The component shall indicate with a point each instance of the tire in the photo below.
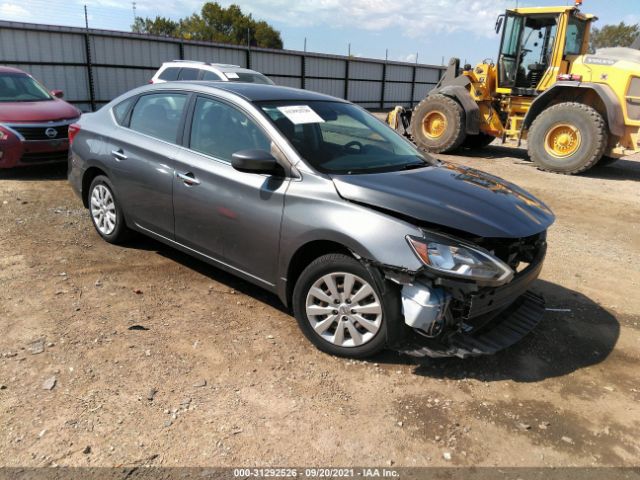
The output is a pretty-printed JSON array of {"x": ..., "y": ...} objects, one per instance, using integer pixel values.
[
  {"x": 444, "y": 118},
  {"x": 477, "y": 141},
  {"x": 323, "y": 328},
  {"x": 584, "y": 142},
  {"x": 105, "y": 211}
]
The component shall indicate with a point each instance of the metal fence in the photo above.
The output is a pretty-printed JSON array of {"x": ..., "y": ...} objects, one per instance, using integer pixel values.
[{"x": 94, "y": 66}]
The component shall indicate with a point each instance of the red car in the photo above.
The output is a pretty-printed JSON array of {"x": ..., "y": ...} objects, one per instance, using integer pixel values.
[{"x": 33, "y": 121}]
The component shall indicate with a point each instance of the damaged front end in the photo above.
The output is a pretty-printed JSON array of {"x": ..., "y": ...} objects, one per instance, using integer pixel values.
[{"x": 471, "y": 298}]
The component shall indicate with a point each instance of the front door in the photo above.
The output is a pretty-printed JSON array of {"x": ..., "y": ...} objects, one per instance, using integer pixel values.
[{"x": 227, "y": 215}]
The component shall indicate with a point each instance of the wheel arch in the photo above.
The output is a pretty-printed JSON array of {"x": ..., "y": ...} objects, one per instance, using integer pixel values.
[
  {"x": 87, "y": 177},
  {"x": 596, "y": 95},
  {"x": 303, "y": 256}
]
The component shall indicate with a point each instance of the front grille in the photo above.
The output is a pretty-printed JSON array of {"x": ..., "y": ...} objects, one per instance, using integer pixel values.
[
  {"x": 37, "y": 157},
  {"x": 513, "y": 252},
  {"x": 40, "y": 132}
]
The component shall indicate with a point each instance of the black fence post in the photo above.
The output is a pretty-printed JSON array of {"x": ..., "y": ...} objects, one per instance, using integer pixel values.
[
  {"x": 303, "y": 71},
  {"x": 346, "y": 79},
  {"x": 181, "y": 50},
  {"x": 92, "y": 92},
  {"x": 413, "y": 85},
  {"x": 248, "y": 59},
  {"x": 384, "y": 84}
]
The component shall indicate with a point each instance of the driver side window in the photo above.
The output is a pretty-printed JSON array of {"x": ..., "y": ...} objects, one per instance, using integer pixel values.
[{"x": 219, "y": 130}]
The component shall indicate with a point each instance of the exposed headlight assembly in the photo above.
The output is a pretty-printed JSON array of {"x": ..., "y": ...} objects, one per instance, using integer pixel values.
[{"x": 455, "y": 258}]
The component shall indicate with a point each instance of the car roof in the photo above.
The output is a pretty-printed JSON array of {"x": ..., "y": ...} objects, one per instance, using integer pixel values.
[
  {"x": 254, "y": 92},
  {"x": 4, "y": 69}
]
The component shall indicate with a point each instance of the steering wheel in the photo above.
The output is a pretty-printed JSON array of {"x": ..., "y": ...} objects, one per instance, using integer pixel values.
[{"x": 349, "y": 146}]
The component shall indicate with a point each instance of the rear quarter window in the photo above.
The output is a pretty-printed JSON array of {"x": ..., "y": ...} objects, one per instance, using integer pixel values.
[
  {"x": 121, "y": 110},
  {"x": 169, "y": 74}
]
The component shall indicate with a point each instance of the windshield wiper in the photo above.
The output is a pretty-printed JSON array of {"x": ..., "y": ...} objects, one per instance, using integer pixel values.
[{"x": 413, "y": 166}]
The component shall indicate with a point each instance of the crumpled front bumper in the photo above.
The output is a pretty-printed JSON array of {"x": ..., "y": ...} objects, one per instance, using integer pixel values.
[
  {"x": 493, "y": 319},
  {"x": 507, "y": 329}
]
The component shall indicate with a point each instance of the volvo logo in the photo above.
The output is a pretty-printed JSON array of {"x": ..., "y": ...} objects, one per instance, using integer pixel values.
[{"x": 51, "y": 132}]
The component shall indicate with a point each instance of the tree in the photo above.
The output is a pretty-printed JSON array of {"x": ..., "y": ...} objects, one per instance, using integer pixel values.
[
  {"x": 160, "y": 26},
  {"x": 216, "y": 24},
  {"x": 621, "y": 35}
]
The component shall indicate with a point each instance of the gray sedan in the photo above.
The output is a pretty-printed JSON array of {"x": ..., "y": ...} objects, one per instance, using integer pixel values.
[{"x": 370, "y": 242}]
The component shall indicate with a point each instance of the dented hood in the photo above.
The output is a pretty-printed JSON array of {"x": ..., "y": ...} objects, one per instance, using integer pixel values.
[{"x": 451, "y": 196}]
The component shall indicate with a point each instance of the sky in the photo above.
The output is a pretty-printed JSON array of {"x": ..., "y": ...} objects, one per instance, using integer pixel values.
[{"x": 432, "y": 30}]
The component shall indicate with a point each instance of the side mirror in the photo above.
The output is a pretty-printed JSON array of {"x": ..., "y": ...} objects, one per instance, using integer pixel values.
[
  {"x": 499, "y": 21},
  {"x": 57, "y": 93},
  {"x": 255, "y": 161}
]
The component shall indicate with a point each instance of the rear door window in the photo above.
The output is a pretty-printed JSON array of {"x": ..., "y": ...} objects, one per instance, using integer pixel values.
[
  {"x": 188, "y": 74},
  {"x": 170, "y": 74},
  {"x": 159, "y": 115}
]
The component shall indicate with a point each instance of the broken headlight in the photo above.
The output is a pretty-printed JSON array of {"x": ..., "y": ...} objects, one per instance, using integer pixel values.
[{"x": 456, "y": 258}]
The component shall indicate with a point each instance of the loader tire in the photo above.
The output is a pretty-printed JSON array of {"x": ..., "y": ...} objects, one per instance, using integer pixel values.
[
  {"x": 438, "y": 124},
  {"x": 567, "y": 138},
  {"x": 480, "y": 140}
]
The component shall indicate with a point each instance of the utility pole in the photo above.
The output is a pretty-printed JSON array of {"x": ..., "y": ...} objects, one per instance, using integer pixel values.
[
  {"x": 305, "y": 44},
  {"x": 416, "y": 57},
  {"x": 86, "y": 18},
  {"x": 135, "y": 14},
  {"x": 349, "y": 50}
]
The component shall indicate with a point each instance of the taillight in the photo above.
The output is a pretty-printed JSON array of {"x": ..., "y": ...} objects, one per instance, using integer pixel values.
[
  {"x": 571, "y": 77},
  {"x": 74, "y": 128}
]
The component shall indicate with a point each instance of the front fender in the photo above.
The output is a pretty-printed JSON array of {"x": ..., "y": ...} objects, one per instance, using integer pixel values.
[{"x": 615, "y": 117}]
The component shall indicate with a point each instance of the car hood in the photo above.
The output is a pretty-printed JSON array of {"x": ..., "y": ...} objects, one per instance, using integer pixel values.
[
  {"x": 43, "y": 111},
  {"x": 451, "y": 196}
]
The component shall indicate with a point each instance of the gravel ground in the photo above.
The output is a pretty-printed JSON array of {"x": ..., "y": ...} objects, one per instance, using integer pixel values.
[{"x": 123, "y": 356}]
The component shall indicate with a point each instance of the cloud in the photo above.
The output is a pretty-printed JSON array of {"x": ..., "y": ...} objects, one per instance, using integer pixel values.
[
  {"x": 12, "y": 11},
  {"x": 417, "y": 18}
]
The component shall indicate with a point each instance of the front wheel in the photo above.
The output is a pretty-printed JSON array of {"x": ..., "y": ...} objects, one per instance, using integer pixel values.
[
  {"x": 438, "y": 124},
  {"x": 567, "y": 138},
  {"x": 341, "y": 309}
]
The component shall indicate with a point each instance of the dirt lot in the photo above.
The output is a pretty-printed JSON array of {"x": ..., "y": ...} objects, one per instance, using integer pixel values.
[{"x": 159, "y": 359}]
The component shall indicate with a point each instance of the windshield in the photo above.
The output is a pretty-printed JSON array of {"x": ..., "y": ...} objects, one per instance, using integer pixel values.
[
  {"x": 341, "y": 138},
  {"x": 17, "y": 87},
  {"x": 248, "y": 78}
]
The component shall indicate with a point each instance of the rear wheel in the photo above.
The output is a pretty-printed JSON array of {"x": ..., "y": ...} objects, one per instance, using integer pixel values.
[
  {"x": 480, "y": 140},
  {"x": 567, "y": 138},
  {"x": 438, "y": 124},
  {"x": 106, "y": 213},
  {"x": 340, "y": 308}
]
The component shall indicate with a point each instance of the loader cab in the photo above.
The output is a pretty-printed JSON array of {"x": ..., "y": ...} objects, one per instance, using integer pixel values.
[{"x": 536, "y": 43}]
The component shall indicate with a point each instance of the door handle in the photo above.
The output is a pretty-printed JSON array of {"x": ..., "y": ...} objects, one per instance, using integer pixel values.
[
  {"x": 188, "y": 178},
  {"x": 118, "y": 154}
]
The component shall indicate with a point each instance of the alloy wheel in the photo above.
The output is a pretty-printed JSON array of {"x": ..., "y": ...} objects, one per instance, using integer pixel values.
[
  {"x": 344, "y": 309},
  {"x": 103, "y": 209}
]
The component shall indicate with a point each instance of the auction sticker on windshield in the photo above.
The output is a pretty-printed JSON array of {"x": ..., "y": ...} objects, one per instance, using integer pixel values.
[
  {"x": 300, "y": 114},
  {"x": 232, "y": 75}
]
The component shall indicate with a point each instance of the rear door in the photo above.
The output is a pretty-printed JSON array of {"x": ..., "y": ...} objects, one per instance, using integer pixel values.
[
  {"x": 143, "y": 150},
  {"x": 230, "y": 216}
]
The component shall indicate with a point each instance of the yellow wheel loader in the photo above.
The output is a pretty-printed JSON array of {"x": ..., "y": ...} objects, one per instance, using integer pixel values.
[{"x": 573, "y": 108}]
